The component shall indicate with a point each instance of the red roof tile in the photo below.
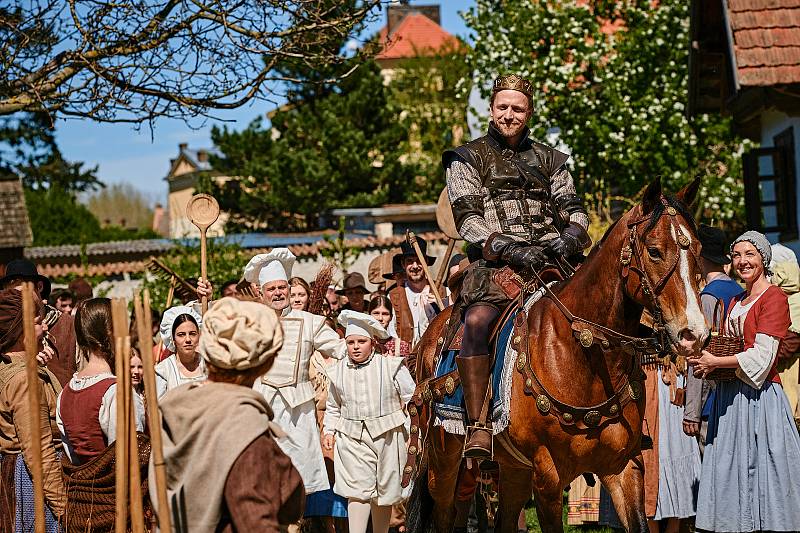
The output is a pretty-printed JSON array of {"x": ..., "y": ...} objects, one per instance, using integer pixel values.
[
  {"x": 766, "y": 37},
  {"x": 416, "y": 35}
]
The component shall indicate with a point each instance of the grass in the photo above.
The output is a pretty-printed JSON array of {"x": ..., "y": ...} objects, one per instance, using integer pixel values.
[{"x": 533, "y": 523}]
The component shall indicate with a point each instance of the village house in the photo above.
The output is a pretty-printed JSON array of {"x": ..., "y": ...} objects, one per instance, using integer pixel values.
[{"x": 745, "y": 63}]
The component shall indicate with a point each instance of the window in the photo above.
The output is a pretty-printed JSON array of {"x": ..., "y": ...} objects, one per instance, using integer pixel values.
[{"x": 769, "y": 188}]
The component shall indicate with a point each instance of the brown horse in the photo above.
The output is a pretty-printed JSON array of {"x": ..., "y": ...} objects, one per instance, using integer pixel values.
[{"x": 647, "y": 260}]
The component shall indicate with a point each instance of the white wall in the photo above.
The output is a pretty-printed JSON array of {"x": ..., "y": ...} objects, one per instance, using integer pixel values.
[{"x": 772, "y": 123}]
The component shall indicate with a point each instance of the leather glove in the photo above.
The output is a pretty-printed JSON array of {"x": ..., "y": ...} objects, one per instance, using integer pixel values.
[
  {"x": 573, "y": 240},
  {"x": 502, "y": 247},
  {"x": 533, "y": 257}
]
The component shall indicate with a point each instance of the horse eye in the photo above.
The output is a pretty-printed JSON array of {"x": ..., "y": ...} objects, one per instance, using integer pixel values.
[{"x": 654, "y": 253}]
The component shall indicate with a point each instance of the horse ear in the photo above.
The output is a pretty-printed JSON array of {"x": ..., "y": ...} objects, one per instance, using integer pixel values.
[
  {"x": 652, "y": 196},
  {"x": 688, "y": 194}
]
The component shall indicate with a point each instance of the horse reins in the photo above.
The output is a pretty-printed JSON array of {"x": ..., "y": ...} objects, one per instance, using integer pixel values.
[
  {"x": 587, "y": 330},
  {"x": 589, "y": 333}
]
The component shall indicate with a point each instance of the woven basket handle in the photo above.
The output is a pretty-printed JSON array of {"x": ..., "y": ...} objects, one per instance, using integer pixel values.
[{"x": 718, "y": 318}]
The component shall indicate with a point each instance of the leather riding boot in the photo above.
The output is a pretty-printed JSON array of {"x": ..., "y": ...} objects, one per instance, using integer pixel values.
[{"x": 475, "y": 376}]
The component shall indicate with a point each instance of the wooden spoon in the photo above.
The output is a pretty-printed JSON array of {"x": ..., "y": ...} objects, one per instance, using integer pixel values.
[{"x": 203, "y": 211}]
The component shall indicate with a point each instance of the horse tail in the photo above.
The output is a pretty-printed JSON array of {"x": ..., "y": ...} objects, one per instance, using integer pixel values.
[{"x": 419, "y": 508}]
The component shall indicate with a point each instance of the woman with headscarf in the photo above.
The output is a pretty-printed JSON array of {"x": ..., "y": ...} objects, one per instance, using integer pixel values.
[
  {"x": 180, "y": 330},
  {"x": 750, "y": 478},
  {"x": 224, "y": 470},
  {"x": 16, "y": 444}
]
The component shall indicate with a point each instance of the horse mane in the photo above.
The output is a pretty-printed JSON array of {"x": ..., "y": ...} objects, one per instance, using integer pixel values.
[{"x": 655, "y": 215}]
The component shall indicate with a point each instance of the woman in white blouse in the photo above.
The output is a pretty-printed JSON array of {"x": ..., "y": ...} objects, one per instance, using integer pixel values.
[
  {"x": 750, "y": 479},
  {"x": 86, "y": 410},
  {"x": 180, "y": 331}
]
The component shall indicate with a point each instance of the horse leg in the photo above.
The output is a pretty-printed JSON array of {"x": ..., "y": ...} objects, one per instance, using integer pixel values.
[
  {"x": 443, "y": 468},
  {"x": 515, "y": 490},
  {"x": 548, "y": 493},
  {"x": 627, "y": 493}
]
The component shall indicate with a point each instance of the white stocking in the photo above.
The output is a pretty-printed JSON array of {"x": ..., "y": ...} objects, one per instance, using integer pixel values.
[
  {"x": 358, "y": 516},
  {"x": 381, "y": 515}
]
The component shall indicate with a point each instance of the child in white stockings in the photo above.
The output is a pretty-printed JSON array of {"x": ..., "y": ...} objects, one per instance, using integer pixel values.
[{"x": 366, "y": 413}]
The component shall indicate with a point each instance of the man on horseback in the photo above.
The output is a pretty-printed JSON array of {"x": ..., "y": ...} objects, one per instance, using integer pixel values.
[{"x": 514, "y": 202}]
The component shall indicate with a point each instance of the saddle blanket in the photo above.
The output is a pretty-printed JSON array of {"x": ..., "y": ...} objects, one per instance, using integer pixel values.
[{"x": 449, "y": 412}]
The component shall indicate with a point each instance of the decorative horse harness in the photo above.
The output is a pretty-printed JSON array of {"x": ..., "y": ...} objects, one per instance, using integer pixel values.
[{"x": 645, "y": 350}]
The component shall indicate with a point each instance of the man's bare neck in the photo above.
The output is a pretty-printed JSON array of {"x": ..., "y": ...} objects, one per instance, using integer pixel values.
[{"x": 416, "y": 286}]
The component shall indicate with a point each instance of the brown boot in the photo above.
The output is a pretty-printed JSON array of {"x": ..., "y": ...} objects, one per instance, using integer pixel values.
[{"x": 475, "y": 373}]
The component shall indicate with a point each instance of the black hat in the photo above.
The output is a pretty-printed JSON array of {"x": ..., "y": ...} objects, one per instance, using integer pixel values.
[
  {"x": 455, "y": 260},
  {"x": 397, "y": 267},
  {"x": 352, "y": 281},
  {"x": 25, "y": 269},
  {"x": 715, "y": 247},
  {"x": 408, "y": 250}
]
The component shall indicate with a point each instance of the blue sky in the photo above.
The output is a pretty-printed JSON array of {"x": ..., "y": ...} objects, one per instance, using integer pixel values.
[{"x": 141, "y": 158}]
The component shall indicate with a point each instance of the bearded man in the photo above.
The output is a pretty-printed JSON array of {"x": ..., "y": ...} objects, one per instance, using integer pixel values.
[
  {"x": 287, "y": 386},
  {"x": 413, "y": 302},
  {"x": 515, "y": 203}
]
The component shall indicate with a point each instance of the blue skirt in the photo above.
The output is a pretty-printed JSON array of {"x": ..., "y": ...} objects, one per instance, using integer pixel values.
[
  {"x": 326, "y": 503},
  {"x": 751, "y": 467},
  {"x": 23, "y": 489},
  {"x": 678, "y": 459}
]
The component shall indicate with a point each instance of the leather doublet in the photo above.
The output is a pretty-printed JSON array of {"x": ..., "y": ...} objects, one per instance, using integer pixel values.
[{"x": 520, "y": 176}]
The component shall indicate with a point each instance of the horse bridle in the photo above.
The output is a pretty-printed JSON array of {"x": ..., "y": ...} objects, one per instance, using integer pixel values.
[{"x": 589, "y": 332}]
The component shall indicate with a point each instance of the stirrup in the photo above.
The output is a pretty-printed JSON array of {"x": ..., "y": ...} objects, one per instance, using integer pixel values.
[{"x": 471, "y": 428}]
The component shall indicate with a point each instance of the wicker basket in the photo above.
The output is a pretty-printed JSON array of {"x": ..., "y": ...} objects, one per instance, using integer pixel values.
[{"x": 724, "y": 346}]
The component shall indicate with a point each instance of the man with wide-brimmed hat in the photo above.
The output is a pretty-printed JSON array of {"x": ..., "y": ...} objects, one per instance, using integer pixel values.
[
  {"x": 715, "y": 298},
  {"x": 514, "y": 202},
  {"x": 413, "y": 302},
  {"x": 354, "y": 288},
  {"x": 59, "y": 342},
  {"x": 287, "y": 387}
]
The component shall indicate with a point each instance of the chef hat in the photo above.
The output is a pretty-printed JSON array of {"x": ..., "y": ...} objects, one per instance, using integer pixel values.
[
  {"x": 169, "y": 319},
  {"x": 274, "y": 266},
  {"x": 361, "y": 324}
]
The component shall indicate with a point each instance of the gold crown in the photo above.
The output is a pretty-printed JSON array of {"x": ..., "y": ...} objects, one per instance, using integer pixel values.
[{"x": 514, "y": 83}]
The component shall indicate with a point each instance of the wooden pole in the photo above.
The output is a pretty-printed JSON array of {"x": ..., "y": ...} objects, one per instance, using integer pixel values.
[
  {"x": 135, "y": 477},
  {"x": 203, "y": 269},
  {"x": 121, "y": 367},
  {"x": 34, "y": 403},
  {"x": 412, "y": 239},
  {"x": 170, "y": 296},
  {"x": 451, "y": 243},
  {"x": 144, "y": 321}
]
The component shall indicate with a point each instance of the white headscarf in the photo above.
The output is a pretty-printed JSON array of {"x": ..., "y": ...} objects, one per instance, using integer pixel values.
[{"x": 169, "y": 319}]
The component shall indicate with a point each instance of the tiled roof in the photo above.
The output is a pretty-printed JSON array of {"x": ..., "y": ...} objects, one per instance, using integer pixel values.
[
  {"x": 766, "y": 37},
  {"x": 416, "y": 35},
  {"x": 49, "y": 267},
  {"x": 15, "y": 228},
  {"x": 142, "y": 246}
]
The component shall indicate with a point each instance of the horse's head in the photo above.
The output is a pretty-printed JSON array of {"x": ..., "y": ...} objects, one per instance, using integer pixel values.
[{"x": 660, "y": 263}]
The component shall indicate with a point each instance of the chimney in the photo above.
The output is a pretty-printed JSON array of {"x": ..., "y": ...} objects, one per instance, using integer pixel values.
[
  {"x": 183, "y": 146},
  {"x": 396, "y": 13},
  {"x": 202, "y": 156},
  {"x": 158, "y": 217}
]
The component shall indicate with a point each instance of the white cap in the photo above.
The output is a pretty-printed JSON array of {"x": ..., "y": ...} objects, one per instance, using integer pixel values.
[
  {"x": 169, "y": 319},
  {"x": 274, "y": 266},
  {"x": 361, "y": 324}
]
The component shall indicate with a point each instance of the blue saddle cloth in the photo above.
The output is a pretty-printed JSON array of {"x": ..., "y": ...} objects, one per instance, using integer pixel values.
[{"x": 449, "y": 412}]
